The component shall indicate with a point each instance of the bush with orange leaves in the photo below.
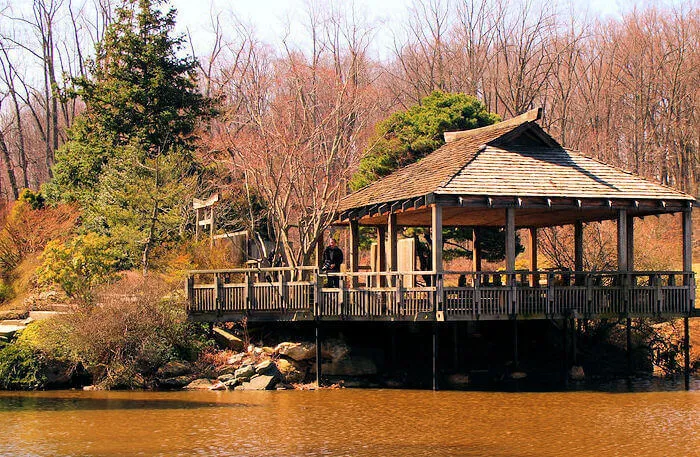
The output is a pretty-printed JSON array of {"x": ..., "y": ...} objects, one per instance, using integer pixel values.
[{"x": 27, "y": 228}]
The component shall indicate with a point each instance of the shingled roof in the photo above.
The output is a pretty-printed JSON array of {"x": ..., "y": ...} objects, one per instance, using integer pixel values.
[{"x": 515, "y": 158}]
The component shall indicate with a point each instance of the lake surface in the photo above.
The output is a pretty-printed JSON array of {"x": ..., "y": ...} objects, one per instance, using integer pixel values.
[{"x": 350, "y": 423}]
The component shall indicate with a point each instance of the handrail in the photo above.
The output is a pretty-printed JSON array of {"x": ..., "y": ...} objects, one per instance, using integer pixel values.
[
  {"x": 251, "y": 270},
  {"x": 580, "y": 292},
  {"x": 433, "y": 272}
]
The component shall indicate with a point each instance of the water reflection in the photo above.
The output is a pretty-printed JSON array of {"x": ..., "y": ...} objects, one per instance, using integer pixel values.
[
  {"x": 82, "y": 401},
  {"x": 350, "y": 423}
]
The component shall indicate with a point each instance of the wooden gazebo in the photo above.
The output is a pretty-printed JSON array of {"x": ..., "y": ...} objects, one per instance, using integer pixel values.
[{"x": 511, "y": 175}]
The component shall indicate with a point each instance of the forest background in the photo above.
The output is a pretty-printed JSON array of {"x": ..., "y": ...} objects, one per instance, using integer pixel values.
[{"x": 280, "y": 128}]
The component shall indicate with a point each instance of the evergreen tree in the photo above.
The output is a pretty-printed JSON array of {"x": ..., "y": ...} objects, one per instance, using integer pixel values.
[
  {"x": 129, "y": 155},
  {"x": 407, "y": 136}
]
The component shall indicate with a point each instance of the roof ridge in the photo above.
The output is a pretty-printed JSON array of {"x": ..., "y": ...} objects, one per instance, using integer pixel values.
[{"x": 528, "y": 116}]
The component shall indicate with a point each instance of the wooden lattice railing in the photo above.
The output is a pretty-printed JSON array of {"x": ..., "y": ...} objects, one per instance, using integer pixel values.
[{"x": 301, "y": 294}]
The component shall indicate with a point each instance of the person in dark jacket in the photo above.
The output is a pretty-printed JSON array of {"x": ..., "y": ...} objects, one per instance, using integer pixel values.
[{"x": 332, "y": 259}]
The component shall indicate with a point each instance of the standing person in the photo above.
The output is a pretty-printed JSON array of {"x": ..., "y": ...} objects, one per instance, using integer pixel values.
[{"x": 332, "y": 258}]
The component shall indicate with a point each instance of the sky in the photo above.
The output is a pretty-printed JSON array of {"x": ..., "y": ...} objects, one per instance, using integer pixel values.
[{"x": 269, "y": 16}]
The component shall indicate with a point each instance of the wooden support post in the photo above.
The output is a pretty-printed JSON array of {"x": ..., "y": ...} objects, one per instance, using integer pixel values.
[
  {"x": 455, "y": 346},
  {"x": 516, "y": 362},
  {"x": 510, "y": 243},
  {"x": 686, "y": 353},
  {"x": 476, "y": 249},
  {"x": 578, "y": 249},
  {"x": 393, "y": 239},
  {"x": 630, "y": 243},
  {"x": 189, "y": 290},
  {"x": 630, "y": 368},
  {"x": 211, "y": 226},
  {"x": 435, "y": 356},
  {"x": 574, "y": 340},
  {"x": 218, "y": 294},
  {"x": 622, "y": 240},
  {"x": 688, "y": 247},
  {"x": 381, "y": 253},
  {"x": 318, "y": 353},
  {"x": 565, "y": 347},
  {"x": 354, "y": 256},
  {"x": 436, "y": 235},
  {"x": 532, "y": 249}
]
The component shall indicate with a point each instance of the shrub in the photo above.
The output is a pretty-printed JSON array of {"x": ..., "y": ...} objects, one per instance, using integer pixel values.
[
  {"x": 79, "y": 264},
  {"x": 35, "y": 199},
  {"x": 26, "y": 230},
  {"x": 6, "y": 292},
  {"x": 21, "y": 367},
  {"x": 139, "y": 326}
]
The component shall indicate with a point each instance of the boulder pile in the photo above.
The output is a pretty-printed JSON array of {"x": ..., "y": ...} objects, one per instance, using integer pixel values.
[{"x": 289, "y": 365}]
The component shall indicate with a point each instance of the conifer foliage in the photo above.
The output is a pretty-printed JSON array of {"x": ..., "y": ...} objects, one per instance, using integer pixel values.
[{"x": 129, "y": 160}]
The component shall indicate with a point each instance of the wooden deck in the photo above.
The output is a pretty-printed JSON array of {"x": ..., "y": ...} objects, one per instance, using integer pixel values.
[{"x": 286, "y": 294}]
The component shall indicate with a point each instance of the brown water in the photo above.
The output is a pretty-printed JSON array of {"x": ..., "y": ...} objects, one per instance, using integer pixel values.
[{"x": 349, "y": 423}]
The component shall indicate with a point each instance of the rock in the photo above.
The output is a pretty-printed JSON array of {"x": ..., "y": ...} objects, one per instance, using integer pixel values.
[
  {"x": 244, "y": 373},
  {"x": 236, "y": 359},
  {"x": 259, "y": 382},
  {"x": 8, "y": 331},
  {"x": 268, "y": 368},
  {"x": 226, "y": 377},
  {"x": 227, "y": 340},
  {"x": 199, "y": 384},
  {"x": 218, "y": 386},
  {"x": 576, "y": 373},
  {"x": 297, "y": 351},
  {"x": 178, "y": 382},
  {"x": 257, "y": 351},
  {"x": 334, "y": 349},
  {"x": 231, "y": 383},
  {"x": 268, "y": 350},
  {"x": 90, "y": 388},
  {"x": 226, "y": 369},
  {"x": 351, "y": 366},
  {"x": 174, "y": 369},
  {"x": 290, "y": 371},
  {"x": 42, "y": 315},
  {"x": 13, "y": 314}
]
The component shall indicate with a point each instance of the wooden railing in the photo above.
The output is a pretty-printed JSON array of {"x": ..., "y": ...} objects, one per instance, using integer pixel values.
[{"x": 302, "y": 294}]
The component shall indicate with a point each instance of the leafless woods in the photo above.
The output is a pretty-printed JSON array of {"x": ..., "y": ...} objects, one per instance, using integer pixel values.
[{"x": 296, "y": 115}]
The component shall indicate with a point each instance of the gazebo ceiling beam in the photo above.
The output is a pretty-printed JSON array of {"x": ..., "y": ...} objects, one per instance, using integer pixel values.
[
  {"x": 555, "y": 202},
  {"x": 413, "y": 211}
]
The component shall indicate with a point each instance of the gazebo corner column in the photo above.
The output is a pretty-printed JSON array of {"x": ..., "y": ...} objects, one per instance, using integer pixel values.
[
  {"x": 392, "y": 261},
  {"x": 476, "y": 250},
  {"x": 436, "y": 238},
  {"x": 688, "y": 282},
  {"x": 623, "y": 266},
  {"x": 354, "y": 251},
  {"x": 578, "y": 246},
  {"x": 532, "y": 249},
  {"x": 510, "y": 241},
  {"x": 381, "y": 253},
  {"x": 622, "y": 240}
]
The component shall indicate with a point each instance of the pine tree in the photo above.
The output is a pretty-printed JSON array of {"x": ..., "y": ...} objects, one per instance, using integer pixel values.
[
  {"x": 407, "y": 136},
  {"x": 130, "y": 155}
]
